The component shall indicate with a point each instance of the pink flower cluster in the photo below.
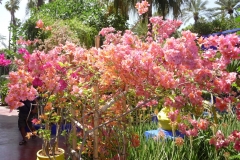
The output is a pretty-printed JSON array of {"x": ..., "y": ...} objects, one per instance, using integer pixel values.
[
  {"x": 4, "y": 61},
  {"x": 142, "y": 7},
  {"x": 173, "y": 115},
  {"x": 192, "y": 127},
  {"x": 162, "y": 29},
  {"x": 49, "y": 71},
  {"x": 220, "y": 141},
  {"x": 40, "y": 25},
  {"x": 23, "y": 42}
]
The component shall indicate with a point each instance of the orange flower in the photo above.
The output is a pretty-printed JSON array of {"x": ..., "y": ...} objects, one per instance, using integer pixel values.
[
  {"x": 48, "y": 106},
  {"x": 179, "y": 141},
  {"x": 48, "y": 28},
  {"x": 161, "y": 135},
  {"x": 203, "y": 124},
  {"x": 135, "y": 140},
  {"x": 29, "y": 134},
  {"x": 43, "y": 117},
  {"x": 39, "y": 24}
]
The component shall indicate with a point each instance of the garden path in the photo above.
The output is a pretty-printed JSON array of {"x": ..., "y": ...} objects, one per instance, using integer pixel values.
[{"x": 10, "y": 137}]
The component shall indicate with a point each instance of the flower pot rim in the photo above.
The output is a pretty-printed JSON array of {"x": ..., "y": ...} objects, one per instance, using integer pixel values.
[{"x": 41, "y": 156}]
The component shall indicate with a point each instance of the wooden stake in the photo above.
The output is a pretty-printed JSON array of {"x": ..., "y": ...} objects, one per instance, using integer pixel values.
[
  {"x": 97, "y": 41},
  {"x": 96, "y": 114},
  {"x": 96, "y": 123},
  {"x": 74, "y": 132}
]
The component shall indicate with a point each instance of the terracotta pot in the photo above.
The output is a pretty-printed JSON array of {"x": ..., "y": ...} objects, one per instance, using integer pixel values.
[{"x": 57, "y": 157}]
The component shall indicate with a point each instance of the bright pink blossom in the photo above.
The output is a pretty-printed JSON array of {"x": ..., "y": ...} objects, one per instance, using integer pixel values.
[
  {"x": 4, "y": 61},
  {"x": 142, "y": 7}
]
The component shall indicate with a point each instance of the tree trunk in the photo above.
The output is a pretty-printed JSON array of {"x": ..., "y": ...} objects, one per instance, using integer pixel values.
[
  {"x": 40, "y": 3},
  {"x": 149, "y": 14}
]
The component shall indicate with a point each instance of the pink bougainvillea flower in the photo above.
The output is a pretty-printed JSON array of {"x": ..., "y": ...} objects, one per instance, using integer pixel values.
[
  {"x": 37, "y": 82},
  {"x": 237, "y": 145},
  {"x": 106, "y": 31},
  {"x": 48, "y": 28},
  {"x": 21, "y": 41},
  {"x": 23, "y": 51},
  {"x": 142, "y": 7},
  {"x": 203, "y": 124},
  {"x": 39, "y": 24},
  {"x": 35, "y": 121},
  {"x": 4, "y": 61},
  {"x": 63, "y": 84},
  {"x": 221, "y": 104},
  {"x": 173, "y": 115},
  {"x": 76, "y": 90}
]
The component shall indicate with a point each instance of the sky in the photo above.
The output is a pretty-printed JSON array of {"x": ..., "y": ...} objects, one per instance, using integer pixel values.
[{"x": 21, "y": 14}]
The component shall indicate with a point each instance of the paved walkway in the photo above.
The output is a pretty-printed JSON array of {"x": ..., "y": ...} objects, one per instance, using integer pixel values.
[{"x": 10, "y": 137}]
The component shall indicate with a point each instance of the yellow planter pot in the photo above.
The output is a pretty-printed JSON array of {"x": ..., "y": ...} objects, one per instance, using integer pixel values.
[
  {"x": 163, "y": 119},
  {"x": 57, "y": 157}
]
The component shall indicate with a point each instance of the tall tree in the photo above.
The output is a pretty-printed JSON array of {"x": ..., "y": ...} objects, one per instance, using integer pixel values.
[
  {"x": 12, "y": 6},
  {"x": 2, "y": 39},
  {"x": 226, "y": 6},
  {"x": 164, "y": 7},
  {"x": 35, "y": 3},
  {"x": 119, "y": 7},
  {"x": 194, "y": 9}
]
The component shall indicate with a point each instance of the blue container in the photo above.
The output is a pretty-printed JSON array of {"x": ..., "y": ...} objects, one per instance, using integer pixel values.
[{"x": 167, "y": 134}]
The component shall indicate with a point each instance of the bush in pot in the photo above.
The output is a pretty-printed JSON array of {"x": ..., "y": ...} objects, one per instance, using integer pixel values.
[{"x": 173, "y": 70}]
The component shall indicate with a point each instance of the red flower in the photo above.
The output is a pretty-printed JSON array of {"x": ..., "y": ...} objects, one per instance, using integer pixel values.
[
  {"x": 135, "y": 140},
  {"x": 237, "y": 145}
]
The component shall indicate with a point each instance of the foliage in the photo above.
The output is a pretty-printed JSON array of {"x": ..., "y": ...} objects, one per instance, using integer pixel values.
[
  {"x": 3, "y": 89},
  {"x": 194, "y": 9},
  {"x": 168, "y": 149},
  {"x": 83, "y": 19},
  {"x": 100, "y": 87},
  {"x": 207, "y": 27},
  {"x": 224, "y": 7},
  {"x": 74, "y": 32}
]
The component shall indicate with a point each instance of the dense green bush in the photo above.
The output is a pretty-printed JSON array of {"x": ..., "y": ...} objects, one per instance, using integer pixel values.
[
  {"x": 84, "y": 20},
  {"x": 204, "y": 27}
]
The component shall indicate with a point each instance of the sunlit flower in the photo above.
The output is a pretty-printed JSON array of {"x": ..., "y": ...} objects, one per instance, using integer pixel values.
[
  {"x": 39, "y": 24},
  {"x": 142, "y": 7},
  {"x": 203, "y": 124},
  {"x": 179, "y": 141}
]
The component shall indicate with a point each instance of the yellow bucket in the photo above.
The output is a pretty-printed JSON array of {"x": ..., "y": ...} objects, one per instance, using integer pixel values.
[{"x": 164, "y": 121}]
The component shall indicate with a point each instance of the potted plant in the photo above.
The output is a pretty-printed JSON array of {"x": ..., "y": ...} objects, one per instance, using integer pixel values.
[{"x": 44, "y": 75}]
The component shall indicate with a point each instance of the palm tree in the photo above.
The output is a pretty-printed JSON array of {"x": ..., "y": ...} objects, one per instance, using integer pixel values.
[
  {"x": 35, "y": 3},
  {"x": 118, "y": 7},
  {"x": 164, "y": 7},
  {"x": 2, "y": 38},
  {"x": 12, "y": 6},
  {"x": 194, "y": 9},
  {"x": 226, "y": 6}
]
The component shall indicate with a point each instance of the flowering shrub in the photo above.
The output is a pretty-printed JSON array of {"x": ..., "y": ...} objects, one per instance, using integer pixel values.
[
  {"x": 175, "y": 70},
  {"x": 4, "y": 61}
]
